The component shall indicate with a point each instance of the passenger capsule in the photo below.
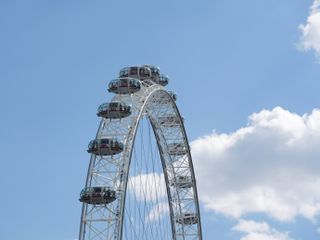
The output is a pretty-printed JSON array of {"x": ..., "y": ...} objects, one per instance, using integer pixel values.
[
  {"x": 141, "y": 72},
  {"x": 124, "y": 86},
  {"x": 155, "y": 73},
  {"x": 97, "y": 195},
  {"x": 114, "y": 110},
  {"x": 182, "y": 182},
  {"x": 163, "y": 80},
  {"x": 187, "y": 219},
  {"x": 170, "y": 120},
  {"x": 177, "y": 149},
  {"x": 105, "y": 147},
  {"x": 173, "y": 95}
]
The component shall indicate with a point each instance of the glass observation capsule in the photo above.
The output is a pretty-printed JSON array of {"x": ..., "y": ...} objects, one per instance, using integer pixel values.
[
  {"x": 114, "y": 110},
  {"x": 97, "y": 195},
  {"x": 171, "y": 120},
  {"x": 187, "y": 219},
  {"x": 124, "y": 85},
  {"x": 141, "y": 72},
  {"x": 177, "y": 149},
  {"x": 163, "y": 80},
  {"x": 182, "y": 182},
  {"x": 105, "y": 147}
]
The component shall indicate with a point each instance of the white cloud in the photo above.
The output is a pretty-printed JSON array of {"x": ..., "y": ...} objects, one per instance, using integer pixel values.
[
  {"x": 259, "y": 231},
  {"x": 149, "y": 187},
  {"x": 310, "y": 32},
  {"x": 158, "y": 211},
  {"x": 271, "y": 166},
  {"x": 251, "y": 226}
]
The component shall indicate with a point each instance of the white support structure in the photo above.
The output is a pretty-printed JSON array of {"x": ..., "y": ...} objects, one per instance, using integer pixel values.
[{"x": 106, "y": 222}]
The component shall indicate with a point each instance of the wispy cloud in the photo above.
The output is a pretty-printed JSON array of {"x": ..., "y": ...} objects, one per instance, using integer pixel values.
[
  {"x": 158, "y": 211},
  {"x": 310, "y": 32},
  {"x": 259, "y": 231},
  {"x": 270, "y": 166}
]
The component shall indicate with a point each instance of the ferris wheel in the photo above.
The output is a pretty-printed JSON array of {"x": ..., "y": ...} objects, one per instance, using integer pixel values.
[{"x": 140, "y": 183}]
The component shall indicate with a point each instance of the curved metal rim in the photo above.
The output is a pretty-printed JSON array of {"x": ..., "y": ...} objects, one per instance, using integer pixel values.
[{"x": 126, "y": 167}]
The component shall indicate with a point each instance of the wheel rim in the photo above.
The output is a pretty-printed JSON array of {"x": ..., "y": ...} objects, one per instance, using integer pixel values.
[{"x": 112, "y": 221}]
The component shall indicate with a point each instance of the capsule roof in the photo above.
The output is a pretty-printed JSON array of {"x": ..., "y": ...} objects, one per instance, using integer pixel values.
[
  {"x": 146, "y": 73},
  {"x": 139, "y": 72},
  {"x": 153, "y": 68}
]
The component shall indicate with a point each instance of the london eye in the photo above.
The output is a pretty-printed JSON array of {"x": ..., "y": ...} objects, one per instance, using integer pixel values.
[{"x": 140, "y": 182}]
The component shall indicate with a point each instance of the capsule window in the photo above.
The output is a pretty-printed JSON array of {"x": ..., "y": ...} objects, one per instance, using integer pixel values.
[
  {"x": 155, "y": 70},
  {"x": 124, "y": 72},
  {"x": 113, "y": 105},
  {"x": 122, "y": 81},
  {"x": 104, "y": 141},
  {"x": 144, "y": 72},
  {"x": 133, "y": 71}
]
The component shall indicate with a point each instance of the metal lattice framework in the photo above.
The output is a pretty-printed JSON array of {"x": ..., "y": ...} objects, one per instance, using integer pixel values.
[{"x": 177, "y": 215}]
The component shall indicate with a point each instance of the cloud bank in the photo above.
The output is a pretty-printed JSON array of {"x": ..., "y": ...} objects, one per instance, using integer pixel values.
[
  {"x": 310, "y": 32},
  {"x": 270, "y": 166}
]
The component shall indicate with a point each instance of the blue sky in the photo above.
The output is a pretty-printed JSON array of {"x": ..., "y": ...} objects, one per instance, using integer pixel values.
[{"x": 226, "y": 61}]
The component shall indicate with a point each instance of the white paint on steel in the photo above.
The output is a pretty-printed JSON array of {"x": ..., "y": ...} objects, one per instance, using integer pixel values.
[{"x": 106, "y": 221}]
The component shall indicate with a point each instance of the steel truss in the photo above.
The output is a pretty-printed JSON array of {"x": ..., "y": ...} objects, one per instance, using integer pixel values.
[{"x": 106, "y": 222}]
